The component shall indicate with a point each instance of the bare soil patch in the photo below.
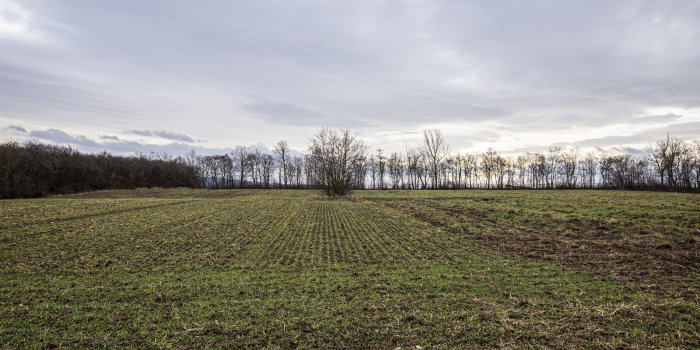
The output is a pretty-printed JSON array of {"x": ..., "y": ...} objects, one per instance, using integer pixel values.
[{"x": 670, "y": 268}]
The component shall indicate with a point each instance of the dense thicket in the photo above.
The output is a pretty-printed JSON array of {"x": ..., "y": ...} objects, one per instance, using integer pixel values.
[{"x": 33, "y": 170}]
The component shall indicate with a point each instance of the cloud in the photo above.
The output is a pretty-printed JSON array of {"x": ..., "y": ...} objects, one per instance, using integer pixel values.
[
  {"x": 61, "y": 137},
  {"x": 16, "y": 23},
  {"x": 113, "y": 144},
  {"x": 17, "y": 129},
  {"x": 632, "y": 151},
  {"x": 116, "y": 145},
  {"x": 649, "y": 119},
  {"x": 141, "y": 132},
  {"x": 683, "y": 130},
  {"x": 285, "y": 113},
  {"x": 174, "y": 136},
  {"x": 401, "y": 133},
  {"x": 264, "y": 71}
]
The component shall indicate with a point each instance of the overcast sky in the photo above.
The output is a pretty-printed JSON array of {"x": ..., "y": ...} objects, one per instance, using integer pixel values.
[{"x": 168, "y": 76}]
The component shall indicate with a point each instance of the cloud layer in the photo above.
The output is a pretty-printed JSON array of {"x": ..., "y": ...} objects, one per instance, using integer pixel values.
[{"x": 512, "y": 75}]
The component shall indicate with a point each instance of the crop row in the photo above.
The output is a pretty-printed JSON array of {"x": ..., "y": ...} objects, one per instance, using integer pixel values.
[
  {"x": 250, "y": 230},
  {"x": 313, "y": 232}
]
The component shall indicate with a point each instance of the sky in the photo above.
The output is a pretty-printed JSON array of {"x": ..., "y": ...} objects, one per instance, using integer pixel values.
[{"x": 170, "y": 76}]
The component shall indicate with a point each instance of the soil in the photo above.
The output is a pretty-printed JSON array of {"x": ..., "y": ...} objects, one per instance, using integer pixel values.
[{"x": 668, "y": 268}]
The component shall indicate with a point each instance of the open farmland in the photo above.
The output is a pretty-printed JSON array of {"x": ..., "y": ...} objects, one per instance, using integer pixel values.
[{"x": 289, "y": 269}]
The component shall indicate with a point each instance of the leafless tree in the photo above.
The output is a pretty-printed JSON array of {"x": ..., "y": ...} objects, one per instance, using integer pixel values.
[
  {"x": 256, "y": 167},
  {"x": 569, "y": 161},
  {"x": 359, "y": 170},
  {"x": 553, "y": 160},
  {"x": 588, "y": 169},
  {"x": 267, "y": 166},
  {"x": 333, "y": 152},
  {"x": 667, "y": 155},
  {"x": 373, "y": 168},
  {"x": 297, "y": 171},
  {"x": 488, "y": 165},
  {"x": 396, "y": 170},
  {"x": 242, "y": 161},
  {"x": 435, "y": 150},
  {"x": 281, "y": 151},
  {"x": 381, "y": 168},
  {"x": 471, "y": 168}
]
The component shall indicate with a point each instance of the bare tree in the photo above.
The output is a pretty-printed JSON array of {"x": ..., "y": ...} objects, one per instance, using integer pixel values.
[
  {"x": 553, "y": 160},
  {"x": 381, "y": 168},
  {"x": 225, "y": 163},
  {"x": 333, "y": 152},
  {"x": 471, "y": 168},
  {"x": 666, "y": 155},
  {"x": 267, "y": 165},
  {"x": 587, "y": 169},
  {"x": 373, "y": 171},
  {"x": 281, "y": 151},
  {"x": 488, "y": 165},
  {"x": 256, "y": 167},
  {"x": 697, "y": 163},
  {"x": 242, "y": 161},
  {"x": 297, "y": 173},
  {"x": 435, "y": 150},
  {"x": 396, "y": 170},
  {"x": 413, "y": 168},
  {"x": 359, "y": 169},
  {"x": 500, "y": 167},
  {"x": 569, "y": 161}
]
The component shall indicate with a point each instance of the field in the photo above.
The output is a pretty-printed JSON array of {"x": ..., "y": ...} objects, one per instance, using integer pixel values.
[{"x": 412, "y": 269}]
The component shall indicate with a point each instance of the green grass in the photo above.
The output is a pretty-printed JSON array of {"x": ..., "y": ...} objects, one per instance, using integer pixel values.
[{"x": 285, "y": 269}]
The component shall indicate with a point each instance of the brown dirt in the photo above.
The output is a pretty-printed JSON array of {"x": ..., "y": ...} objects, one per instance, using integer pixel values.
[{"x": 670, "y": 268}]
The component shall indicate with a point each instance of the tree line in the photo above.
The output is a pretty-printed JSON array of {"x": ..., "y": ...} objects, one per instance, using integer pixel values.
[
  {"x": 35, "y": 170},
  {"x": 338, "y": 156},
  {"x": 338, "y": 161}
]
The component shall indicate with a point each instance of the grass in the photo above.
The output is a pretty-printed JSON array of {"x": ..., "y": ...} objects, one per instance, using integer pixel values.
[{"x": 281, "y": 269}]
